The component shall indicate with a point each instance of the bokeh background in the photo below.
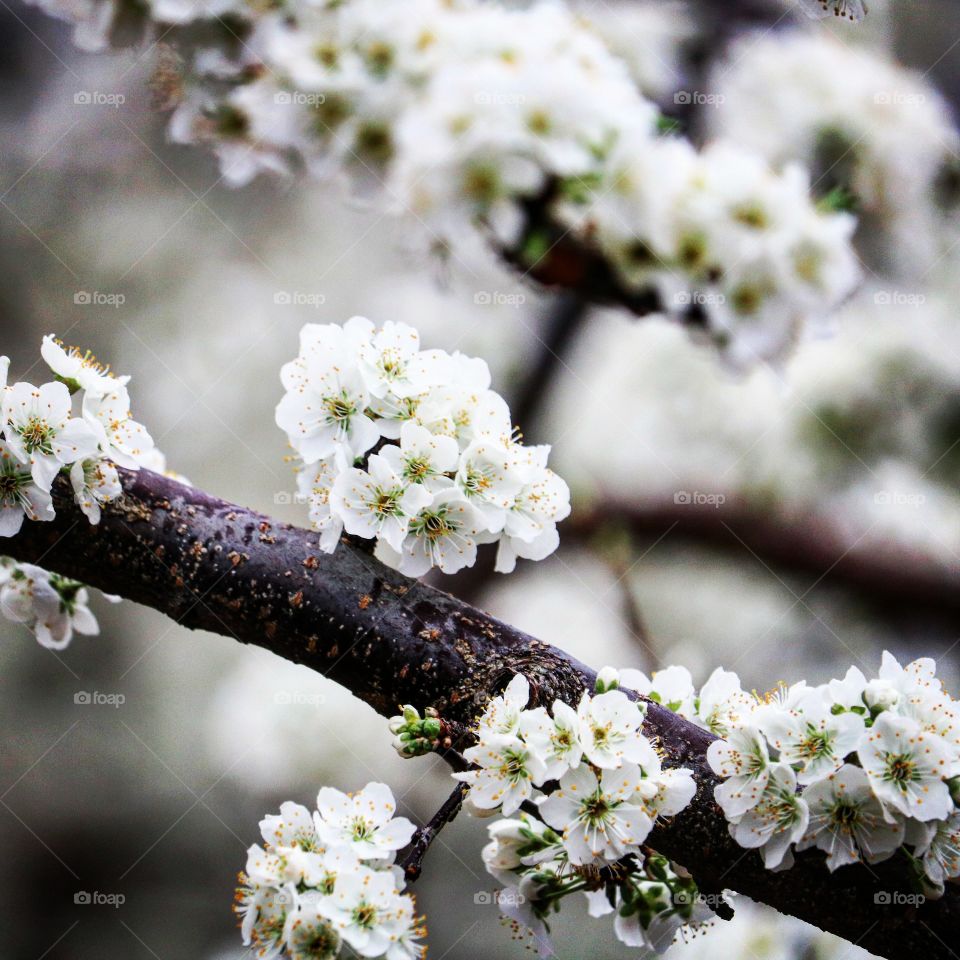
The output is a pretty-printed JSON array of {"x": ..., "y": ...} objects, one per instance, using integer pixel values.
[{"x": 783, "y": 523}]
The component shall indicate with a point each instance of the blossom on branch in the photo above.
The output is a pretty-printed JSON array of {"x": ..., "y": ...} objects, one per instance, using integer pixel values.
[{"x": 459, "y": 477}]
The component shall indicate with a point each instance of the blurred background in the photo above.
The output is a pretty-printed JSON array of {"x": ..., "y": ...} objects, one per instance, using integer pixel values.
[{"x": 784, "y": 524}]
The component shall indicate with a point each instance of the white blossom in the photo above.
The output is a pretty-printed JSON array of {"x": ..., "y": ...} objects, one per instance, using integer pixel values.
[
  {"x": 363, "y": 821},
  {"x": 423, "y": 457},
  {"x": 812, "y": 736},
  {"x": 80, "y": 369},
  {"x": 53, "y": 607},
  {"x": 941, "y": 854},
  {"x": 367, "y": 911},
  {"x": 444, "y": 533},
  {"x": 672, "y": 687},
  {"x": 722, "y": 705},
  {"x": 610, "y": 730},
  {"x": 908, "y": 768},
  {"x": 554, "y": 737},
  {"x": 40, "y": 430},
  {"x": 744, "y": 761},
  {"x": 776, "y": 821},
  {"x": 377, "y": 502},
  {"x": 121, "y": 439},
  {"x": 597, "y": 816},
  {"x": 507, "y": 769},
  {"x": 847, "y": 821},
  {"x": 95, "y": 482},
  {"x": 502, "y": 713},
  {"x": 21, "y": 497}
]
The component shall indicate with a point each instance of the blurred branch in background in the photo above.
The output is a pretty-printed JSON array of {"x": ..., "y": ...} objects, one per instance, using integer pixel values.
[
  {"x": 895, "y": 578},
  {"x": 561, "y": 326}
]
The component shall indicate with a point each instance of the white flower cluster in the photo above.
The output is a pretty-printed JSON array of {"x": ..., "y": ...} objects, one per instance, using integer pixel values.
[
  {"x": 412, "y": 447},
  {"x": 78, "y": 424},
  {"x": 884, "y": 134},
  {"x": 607, "y": 787},
  {"x": 460, "y": 112},
  {"x": 53, "y": 607},
  {"x": 328, "y": 878},
  {"x": 857, "y": 768},
  {"x": 42, "y": 435}
]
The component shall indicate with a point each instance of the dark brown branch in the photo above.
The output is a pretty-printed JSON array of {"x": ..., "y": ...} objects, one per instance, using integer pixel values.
[
  {"x": 892, "y": 577},
  {"x": 410, "y": 859},
  {"x": 215, "y": 566}
]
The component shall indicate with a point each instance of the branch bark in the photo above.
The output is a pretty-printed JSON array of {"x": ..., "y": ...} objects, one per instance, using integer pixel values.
[{"x": 212, "y": 565}]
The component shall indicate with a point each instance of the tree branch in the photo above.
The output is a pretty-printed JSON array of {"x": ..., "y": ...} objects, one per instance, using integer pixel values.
[
  {"x": 410, "y": 859},
  {"x": 215, "y": 566}
]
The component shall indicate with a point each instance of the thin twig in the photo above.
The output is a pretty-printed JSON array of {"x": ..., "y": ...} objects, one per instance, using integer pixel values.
[{"x": 410, "y": 859}]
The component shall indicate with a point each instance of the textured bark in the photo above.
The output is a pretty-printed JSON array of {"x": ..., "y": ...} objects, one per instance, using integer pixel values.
[{"x": 215, "y": 566}]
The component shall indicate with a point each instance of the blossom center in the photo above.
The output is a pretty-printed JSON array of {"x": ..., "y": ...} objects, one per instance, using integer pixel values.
[
  {"x": 817, "y": 743},
  {"x": 365, "y": 915},
  {"x": 339, "y": 408},
  {"x": 901, "y": 770},
  {"x": 37, "y": 435},
  {"x": 361, "y": 829}
]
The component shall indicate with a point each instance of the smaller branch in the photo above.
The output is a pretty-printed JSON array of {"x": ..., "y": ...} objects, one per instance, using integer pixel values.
[{"x": 411, "y": 857}]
